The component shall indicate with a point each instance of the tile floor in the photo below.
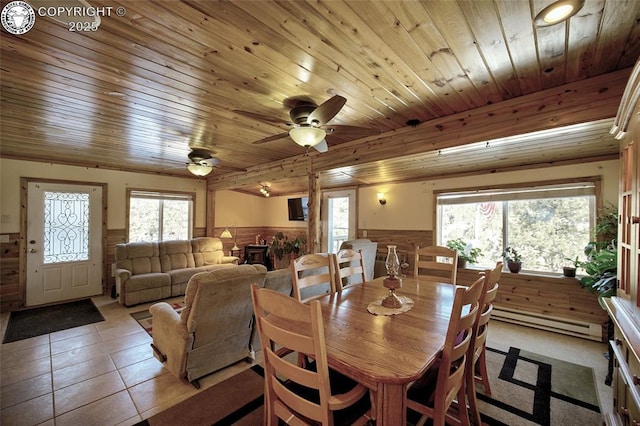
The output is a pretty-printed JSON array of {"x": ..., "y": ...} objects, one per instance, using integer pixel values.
[{"x": 105, "y": 374}]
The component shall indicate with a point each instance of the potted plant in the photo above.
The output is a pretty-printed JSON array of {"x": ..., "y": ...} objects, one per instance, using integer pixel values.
[
  {"x": 606, "y": 229},
  {"x": 601, "y": 272},
  {"x": 283, "y": 249},
  {"x": 513, "y": 259},
  {"x": 466, "y": 254},
  {"x": 570, "y": 271}
]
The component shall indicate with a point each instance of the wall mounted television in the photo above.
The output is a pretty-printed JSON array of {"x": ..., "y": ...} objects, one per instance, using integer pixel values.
[{"x": 298, "y": 209}]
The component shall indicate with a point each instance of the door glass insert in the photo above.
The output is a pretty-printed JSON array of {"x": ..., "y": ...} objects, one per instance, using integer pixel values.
[
  {"x": 66, "y": 226},
  {"x": 338, "y": 222}
]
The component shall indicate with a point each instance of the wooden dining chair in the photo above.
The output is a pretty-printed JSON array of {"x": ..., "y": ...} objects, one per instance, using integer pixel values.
[
  {"x": 436, "y": 263},
  {"x": 349, "y": 268},
  {"x": 313, "y": 276},
  {"x": 293, "y": 394},
  {"x": 477, "y": 365},
  {"x": 433, "y": 394}
]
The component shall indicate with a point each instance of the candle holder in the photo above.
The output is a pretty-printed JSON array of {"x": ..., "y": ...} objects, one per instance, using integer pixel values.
[{"x": 392, "y": 301}]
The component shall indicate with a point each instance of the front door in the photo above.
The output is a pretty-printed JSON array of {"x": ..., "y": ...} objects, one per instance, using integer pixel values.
[{"x": 64, "y": 242}]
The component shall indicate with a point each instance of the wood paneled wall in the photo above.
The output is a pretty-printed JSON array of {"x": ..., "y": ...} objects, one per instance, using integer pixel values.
[
  {"x": 405, "y": 240},
  {"x": 248, "y": 235},
  {"x": 10, "y": 274},
  {"x": 552, "y": 296}
]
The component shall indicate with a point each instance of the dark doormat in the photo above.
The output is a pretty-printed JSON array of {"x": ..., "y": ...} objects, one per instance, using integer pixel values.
[{"x": 49, "y": 319}]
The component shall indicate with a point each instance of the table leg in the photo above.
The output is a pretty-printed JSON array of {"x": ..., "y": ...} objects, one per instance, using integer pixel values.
[{"x": 391, "y": 408}]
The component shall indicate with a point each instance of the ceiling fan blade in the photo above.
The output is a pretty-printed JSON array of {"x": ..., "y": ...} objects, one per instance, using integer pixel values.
[
  {"x": 322, "y": 146},
  {"x": 261, "y": 117},
  {"x": 211, "y": 162},
  {"x": 271, "y": 138},
  {"x": 327, "y": 110}
]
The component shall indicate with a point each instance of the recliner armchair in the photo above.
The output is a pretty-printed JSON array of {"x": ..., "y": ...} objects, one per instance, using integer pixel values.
[{"x": 214, "y": 329}]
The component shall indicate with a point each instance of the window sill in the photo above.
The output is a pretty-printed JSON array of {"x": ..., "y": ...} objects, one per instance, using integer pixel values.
[{"x": 525, "y": 273}]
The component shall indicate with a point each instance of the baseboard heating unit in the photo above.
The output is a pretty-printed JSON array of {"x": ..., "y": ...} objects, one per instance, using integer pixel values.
[{"x": 575, "y": 328}]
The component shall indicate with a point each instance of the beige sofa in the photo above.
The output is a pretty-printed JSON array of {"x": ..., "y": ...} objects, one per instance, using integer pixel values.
[
  {"x": 150, "y": 271},
  {"x": 215, "y": 328}
]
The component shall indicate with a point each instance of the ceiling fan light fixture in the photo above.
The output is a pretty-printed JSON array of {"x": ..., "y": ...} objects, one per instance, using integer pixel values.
[
  {"x": 558, "y": 11},
  {"x": 307, "y": 135},
  {"x": 199, "y": 169}
]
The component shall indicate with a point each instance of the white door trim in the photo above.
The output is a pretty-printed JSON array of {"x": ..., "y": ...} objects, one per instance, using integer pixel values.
[{"x": 24, "y": 184}]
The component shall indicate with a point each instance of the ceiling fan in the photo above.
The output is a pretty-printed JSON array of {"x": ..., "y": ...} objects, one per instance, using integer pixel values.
[
  {"x": 202, "y": 162},
  {"x": 309, "y": 123}
]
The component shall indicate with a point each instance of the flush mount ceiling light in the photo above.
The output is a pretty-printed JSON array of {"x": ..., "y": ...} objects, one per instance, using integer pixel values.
[
  {"x": 557, "y": 12},
  {"x": 307, "y": 135}
]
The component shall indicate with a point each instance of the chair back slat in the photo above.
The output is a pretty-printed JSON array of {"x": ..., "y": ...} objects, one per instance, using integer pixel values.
[
  {"x": 349, "y": 268},
  {"x": 313, "y": 276},
  {"x": 294, "y": 394},
  {"x": 451, "y": 367},
  {"x": 436, "y": 263},
  {"x": 476, "y": 370}
]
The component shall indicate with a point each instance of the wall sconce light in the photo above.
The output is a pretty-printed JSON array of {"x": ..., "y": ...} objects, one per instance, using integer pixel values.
[{"x": 381, "y": 198}]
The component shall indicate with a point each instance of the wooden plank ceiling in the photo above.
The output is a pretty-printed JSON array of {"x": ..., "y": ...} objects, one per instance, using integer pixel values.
[{"x": 145, "y": 88}]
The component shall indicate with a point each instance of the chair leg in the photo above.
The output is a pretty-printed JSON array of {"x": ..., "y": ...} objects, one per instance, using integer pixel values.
[
  {"x": 463, "y": 413},
  {"x": 471, "y": 396},
  {"x": 484, "y": 375},
  {"x": 373, "y": 396}
]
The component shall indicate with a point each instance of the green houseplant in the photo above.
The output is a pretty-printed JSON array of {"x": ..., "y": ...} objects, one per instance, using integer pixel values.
[
  {"x": 513, "y": 259},
  {"x": 283, "y": 249},
  {"x": 465, "y": 252},
  {"x": 601, "y": 272},
  {"x": 601, "y": 266},
  {"x": 570, "y": 271},
  {"x": 606, "y": 229}
]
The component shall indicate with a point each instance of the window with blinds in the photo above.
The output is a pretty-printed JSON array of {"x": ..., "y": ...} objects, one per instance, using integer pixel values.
[
  {"x": 546, "y": 223},
  {"x": 159, "y": 216}
]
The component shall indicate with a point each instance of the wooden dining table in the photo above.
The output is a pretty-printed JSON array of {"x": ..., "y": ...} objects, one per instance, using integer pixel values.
[{"x": 387, "y": 352}]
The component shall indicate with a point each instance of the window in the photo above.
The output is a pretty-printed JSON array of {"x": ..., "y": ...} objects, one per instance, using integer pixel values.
[
  {"x": 545, "y": 223},
  {"x": 157, "y": 216}
]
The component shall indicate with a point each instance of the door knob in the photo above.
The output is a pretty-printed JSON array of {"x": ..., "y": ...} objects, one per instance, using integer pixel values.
[{"x": 32, "y": 250}]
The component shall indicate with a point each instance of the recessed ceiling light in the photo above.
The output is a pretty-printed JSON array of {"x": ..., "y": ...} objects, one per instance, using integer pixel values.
[{"x": 557, "y": 12}]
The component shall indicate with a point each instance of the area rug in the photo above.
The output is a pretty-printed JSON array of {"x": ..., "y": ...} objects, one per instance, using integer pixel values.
[
  {"x": 145, "y": 319},
  {"x": 235, "y": 401},
  {"x": 532, "y": 389},
  {"x": 527, "y": 389},
  {"x": 49, "y": 319}
]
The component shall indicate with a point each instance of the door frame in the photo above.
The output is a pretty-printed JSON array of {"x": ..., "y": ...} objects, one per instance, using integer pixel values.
[
  {"x": 329, "y": 193},
  {"x": 24, "y": 185}
]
